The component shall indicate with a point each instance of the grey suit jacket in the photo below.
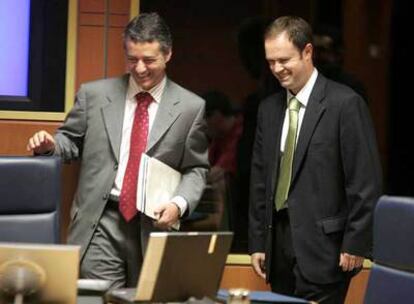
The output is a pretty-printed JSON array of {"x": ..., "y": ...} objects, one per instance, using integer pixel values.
[{"x": 92, "y": 132}]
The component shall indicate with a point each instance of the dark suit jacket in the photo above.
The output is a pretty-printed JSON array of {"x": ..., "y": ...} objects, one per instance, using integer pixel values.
[
  {"x": 336, "y": 180},
  {"x": 92, "y": 131}
]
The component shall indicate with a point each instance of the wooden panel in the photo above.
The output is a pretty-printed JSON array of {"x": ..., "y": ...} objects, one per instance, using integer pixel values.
[
  {"x": 366, "y": 39},
  {"x": 119, "y": 6},
  {"x": 118, "y": 20},
  {"x": 15, "y": 134},
  {"x": 116, "y": 56},
  {"x": 90, "y": 57},
  {"x": 92, "y": 6},
  {"x": 356, "y": 292},
  {"x": 95, "y": 19},
  {"x": 238, "y": 276},
  {"x": 70, "y": 174}
]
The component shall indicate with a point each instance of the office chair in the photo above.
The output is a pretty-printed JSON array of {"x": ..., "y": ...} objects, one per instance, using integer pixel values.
[
  {"x": 30, "y": 195},
  {"x": 392, "y": 275}
]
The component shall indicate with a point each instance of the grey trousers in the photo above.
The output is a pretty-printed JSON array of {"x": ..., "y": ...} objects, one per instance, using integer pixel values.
[{"x": 116, "y": 251}]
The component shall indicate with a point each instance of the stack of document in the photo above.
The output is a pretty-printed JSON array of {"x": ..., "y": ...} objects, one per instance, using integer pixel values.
[{"x": 157, "y": 183}]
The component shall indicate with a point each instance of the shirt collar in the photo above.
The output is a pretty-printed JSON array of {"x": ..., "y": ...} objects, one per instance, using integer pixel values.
[
  {"x": 156, "y": 92},
  {"x": 304, "y": 94}
]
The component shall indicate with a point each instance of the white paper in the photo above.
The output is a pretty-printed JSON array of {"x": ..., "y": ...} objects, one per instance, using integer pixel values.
[{"x": 157, "y": 183}]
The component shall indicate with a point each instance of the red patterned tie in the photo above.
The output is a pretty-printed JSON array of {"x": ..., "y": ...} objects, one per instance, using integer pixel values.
[{"x": 139, "y": 134}]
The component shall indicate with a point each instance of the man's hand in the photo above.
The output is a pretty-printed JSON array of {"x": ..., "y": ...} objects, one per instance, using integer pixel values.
[
  {"x": 349, "y": 262},
  {"x": 168, "y": 214},
  {"x": 41, "y": 142},
  {"x": 258, "y": 263}
]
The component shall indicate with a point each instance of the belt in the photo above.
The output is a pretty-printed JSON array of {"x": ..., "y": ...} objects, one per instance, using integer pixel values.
[{"x": 113, "y": 198}]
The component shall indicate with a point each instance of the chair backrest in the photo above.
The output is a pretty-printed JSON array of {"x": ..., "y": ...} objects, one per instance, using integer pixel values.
[
  {"x": 30, "y": 195},
  {"x": 392, "y": 275}
]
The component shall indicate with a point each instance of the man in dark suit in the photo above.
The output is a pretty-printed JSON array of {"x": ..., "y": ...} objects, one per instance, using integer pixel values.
[
  {"x": 316, "y": 175},
  {"x": 112, "y": 123}
]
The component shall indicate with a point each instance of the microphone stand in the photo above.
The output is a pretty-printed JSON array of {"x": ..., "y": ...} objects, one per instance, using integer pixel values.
[{"x": 21, "y": 278}]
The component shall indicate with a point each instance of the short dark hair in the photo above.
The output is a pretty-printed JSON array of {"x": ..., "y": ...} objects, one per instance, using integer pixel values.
[
  {"x": 250, "y": 45},
  {"x": 297, "y": 29},
  {"x": 149, "y": 27},
  {"x": 217, "y": 102}
]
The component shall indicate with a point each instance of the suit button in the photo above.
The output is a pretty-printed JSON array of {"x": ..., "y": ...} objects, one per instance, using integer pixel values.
[{"x": 105, "y": 197}]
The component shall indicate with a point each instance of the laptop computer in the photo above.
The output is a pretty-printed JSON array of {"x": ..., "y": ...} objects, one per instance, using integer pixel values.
[{"x": 178, "y": 266}]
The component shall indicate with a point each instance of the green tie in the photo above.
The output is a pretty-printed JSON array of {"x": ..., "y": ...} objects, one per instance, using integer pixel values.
[{"x": 285, "y": 172}]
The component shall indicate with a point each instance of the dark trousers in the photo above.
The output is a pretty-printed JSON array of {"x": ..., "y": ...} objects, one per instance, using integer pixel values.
[
  {"x": 286, "y": 276},
  {"x": 114, "y": 252}
]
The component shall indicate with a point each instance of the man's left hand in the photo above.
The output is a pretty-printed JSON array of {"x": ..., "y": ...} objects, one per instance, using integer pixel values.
[
  {"x": 349, "y": 262},
  {"x": 168, "y": 214}
]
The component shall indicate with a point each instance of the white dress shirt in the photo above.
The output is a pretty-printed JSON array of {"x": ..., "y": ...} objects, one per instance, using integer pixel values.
[
  {"x": 129, "y": 112},
  {"x": 303, "y": 97}
]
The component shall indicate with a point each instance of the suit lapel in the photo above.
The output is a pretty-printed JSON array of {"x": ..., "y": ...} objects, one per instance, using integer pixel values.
[
  {"x": 313, "y": 113},
  {"x": 276, "y": 114},
  {"x": 167, "y": 113},
  {"x": 113, "y": 114}
]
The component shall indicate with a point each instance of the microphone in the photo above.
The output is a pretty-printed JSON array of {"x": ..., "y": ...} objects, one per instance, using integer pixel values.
[{"x": 20, "y": 278}]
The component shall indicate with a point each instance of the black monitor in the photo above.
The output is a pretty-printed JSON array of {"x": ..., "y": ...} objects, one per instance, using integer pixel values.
[
  {"x": 39, "y": 273},
  {"x": 178, "y": 266}
]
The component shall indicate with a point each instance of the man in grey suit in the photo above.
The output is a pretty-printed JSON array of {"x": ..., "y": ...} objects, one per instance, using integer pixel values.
[
  {"x": 108, "y": 128},
  {"x": 316, "y": 175}
]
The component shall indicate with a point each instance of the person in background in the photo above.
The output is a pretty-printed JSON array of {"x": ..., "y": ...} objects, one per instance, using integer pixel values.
[
  {"x": 329, "y": 59},
  {"x": 252, "y": 57},
  {"x": 224, "y": 129},
  {"x": 111, "y": 124},
  {"x": 316, "y": 174}
]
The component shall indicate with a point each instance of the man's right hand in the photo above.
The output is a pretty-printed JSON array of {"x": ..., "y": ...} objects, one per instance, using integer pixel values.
[
  {"x": 258, "y": 263},
  {"x": 41, "y": 142}
]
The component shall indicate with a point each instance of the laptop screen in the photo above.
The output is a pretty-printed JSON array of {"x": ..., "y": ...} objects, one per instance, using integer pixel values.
[{"x": 180, "y": 265}]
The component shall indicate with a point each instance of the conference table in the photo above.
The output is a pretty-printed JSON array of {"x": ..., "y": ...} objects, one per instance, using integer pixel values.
[{"x": 222, "y": 297}]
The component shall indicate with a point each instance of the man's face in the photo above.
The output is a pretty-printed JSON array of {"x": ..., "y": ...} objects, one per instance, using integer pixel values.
[
  {"x": 146, "y": 62},
  {"x": 290, "y": 66}
]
